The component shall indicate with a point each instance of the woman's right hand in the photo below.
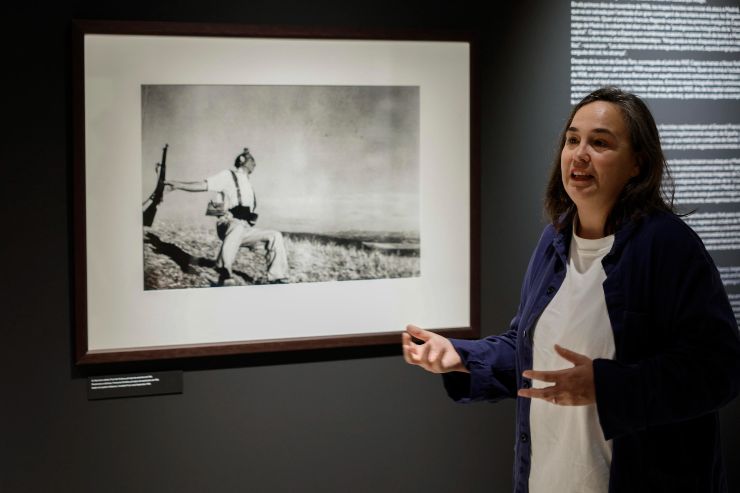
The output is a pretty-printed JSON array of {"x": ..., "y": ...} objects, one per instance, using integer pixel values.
[{"x": 435, "y": 354}]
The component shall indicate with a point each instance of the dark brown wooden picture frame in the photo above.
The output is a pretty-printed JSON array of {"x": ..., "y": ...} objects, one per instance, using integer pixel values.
[{"x": 112, "y": 308}]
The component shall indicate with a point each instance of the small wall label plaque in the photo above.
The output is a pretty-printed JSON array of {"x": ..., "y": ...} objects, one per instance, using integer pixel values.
[{"x": 134, "y": 384}]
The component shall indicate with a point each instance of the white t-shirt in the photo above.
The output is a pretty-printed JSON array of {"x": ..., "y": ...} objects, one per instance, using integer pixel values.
[
  {"x": 569, "y": 453},
  {"x": 224, "y": 182}
]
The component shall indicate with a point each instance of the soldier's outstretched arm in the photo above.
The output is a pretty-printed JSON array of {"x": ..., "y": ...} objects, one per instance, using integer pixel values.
[{"x": 188, "y": 186}]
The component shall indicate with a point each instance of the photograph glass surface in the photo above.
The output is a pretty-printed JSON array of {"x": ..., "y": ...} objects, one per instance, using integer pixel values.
[{"x": 355, "y": 153}]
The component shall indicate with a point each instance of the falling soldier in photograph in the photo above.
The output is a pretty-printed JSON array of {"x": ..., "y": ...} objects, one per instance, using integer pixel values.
[{"x": 236, "y": 220}]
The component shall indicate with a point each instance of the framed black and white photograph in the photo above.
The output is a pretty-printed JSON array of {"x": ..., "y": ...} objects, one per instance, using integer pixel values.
[{"x": 247, "y": 189}]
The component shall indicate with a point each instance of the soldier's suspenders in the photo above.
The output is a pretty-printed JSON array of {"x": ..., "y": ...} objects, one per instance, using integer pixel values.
[{"x": 239, "y": 192}]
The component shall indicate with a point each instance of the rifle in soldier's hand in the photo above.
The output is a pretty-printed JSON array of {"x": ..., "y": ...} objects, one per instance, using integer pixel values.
[{"x": 151, "y": 204}]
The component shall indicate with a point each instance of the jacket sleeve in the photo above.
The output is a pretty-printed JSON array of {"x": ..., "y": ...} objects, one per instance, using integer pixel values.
[
  {"x": 695, "y": 366},
  {"x": 492, "y": 366},
  {"x": 492, "y": 361}
]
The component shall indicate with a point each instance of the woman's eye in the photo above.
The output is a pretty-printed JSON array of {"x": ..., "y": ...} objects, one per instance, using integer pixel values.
[
  {"x": 599, "y": 143},
  {"x": 572, "y": 140}
]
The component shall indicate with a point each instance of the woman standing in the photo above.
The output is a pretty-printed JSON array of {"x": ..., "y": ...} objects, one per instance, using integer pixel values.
[{"x": 624, "y": 345}]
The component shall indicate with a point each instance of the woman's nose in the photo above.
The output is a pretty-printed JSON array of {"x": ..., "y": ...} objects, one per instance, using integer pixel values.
[{"x": 581, "y": 155}]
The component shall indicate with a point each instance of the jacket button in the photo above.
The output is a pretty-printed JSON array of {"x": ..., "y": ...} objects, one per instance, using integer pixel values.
[
  {"x": 523, "y": 438},
  {"x": 550, "y": 290},
  {"x": 525, "y": 385}
]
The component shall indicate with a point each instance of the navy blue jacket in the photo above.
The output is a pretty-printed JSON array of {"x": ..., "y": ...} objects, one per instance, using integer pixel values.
[{"x": 677, "y": 357}]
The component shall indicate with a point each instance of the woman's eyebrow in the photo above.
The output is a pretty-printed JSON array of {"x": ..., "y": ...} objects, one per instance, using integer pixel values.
[{"x": 595, "y": 130}]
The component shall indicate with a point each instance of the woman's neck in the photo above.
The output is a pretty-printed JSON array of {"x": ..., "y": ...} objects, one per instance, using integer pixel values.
[{"x": 590, "y": 225}]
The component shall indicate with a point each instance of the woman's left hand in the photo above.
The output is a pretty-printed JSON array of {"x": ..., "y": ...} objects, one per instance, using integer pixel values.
[{"x": 573, "y": 386}]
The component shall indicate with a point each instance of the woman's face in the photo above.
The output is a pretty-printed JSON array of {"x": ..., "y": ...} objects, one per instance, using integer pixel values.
[{"x": 597, "y": 159}]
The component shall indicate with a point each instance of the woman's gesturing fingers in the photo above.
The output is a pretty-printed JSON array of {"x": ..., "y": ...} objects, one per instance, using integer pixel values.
[
  {"x": 435, "y": 354},
  {"x": 409, "y": 348},
  {"x": 419, "y": 333},
  {"x": 572, "y": 386},
  {"x": 572, "y": 356}
]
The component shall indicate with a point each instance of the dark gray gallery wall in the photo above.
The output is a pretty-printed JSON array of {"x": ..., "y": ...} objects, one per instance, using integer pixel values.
[{"x": 348, "y": 420}]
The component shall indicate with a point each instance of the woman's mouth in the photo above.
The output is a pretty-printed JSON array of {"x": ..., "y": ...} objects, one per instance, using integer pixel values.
[{"x": 580, "y": 176}]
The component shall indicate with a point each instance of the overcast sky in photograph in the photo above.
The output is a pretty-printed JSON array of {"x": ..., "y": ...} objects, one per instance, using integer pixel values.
[{"x": 329, "y": 158}]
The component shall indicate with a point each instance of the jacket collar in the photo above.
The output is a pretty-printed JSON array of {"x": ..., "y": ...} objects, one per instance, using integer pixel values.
[{"x": 561, "y": 241}]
